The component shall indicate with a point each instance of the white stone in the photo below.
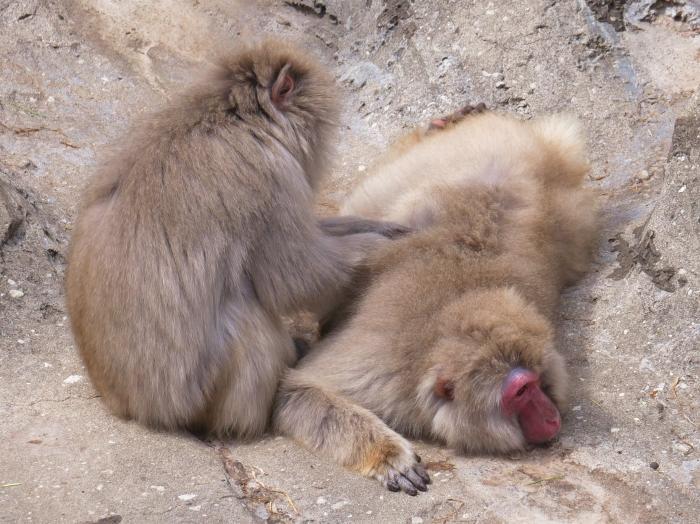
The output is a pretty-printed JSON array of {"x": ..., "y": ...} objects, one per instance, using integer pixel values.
[
  {"x": 186, "y": 497},
  {"x": 16, "y": 293},
  {"x": 72, "y": 379}
]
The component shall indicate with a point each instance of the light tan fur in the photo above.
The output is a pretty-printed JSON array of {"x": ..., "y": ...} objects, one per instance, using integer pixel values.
[
  {"x": 503, "y": 224},
  {"x": 197, "y": 234}
]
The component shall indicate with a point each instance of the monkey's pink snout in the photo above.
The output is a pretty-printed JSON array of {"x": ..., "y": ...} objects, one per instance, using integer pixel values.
[{"x": 537, "y": 415}]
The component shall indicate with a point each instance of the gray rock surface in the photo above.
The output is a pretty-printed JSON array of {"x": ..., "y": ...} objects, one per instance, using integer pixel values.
[{"x": 75, "y": 71}]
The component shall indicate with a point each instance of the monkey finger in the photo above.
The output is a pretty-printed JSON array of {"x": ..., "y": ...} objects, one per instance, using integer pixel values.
[
  {"x": 391, "y": 485},
  {"x": 406, "y": 486},
  {"x": 422, "y": 473},
  {"x": 438, "y": 123},
  {"x": 417, "y": 457},
  {"x": 416, "y": 479},
  {"x": 392, "y": 230}
]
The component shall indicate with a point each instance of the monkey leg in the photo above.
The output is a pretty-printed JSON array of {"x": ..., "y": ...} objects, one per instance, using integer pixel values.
[
  {"x": 351, "y": 435},
  {"x": 245, "y": 392}
]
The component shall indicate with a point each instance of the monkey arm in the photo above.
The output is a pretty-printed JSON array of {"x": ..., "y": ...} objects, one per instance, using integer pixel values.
[
  {"x": 297, "y": 266},
  {"x": 349, "y": 434}
]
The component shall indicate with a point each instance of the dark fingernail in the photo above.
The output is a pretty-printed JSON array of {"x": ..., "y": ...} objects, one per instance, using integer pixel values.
[
  {"x": 392, "y": 487},
  {"x": 410, "y": 491},
  {"x": 418, "y": 459}
]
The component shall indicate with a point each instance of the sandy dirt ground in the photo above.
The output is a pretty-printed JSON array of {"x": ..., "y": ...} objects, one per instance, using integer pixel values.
[{"x": 74, "y": 72}]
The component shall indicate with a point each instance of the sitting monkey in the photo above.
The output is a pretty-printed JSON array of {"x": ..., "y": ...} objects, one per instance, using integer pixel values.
[
  {"x": 197, "y": 235},
  {"x": 453, "y": 339}
]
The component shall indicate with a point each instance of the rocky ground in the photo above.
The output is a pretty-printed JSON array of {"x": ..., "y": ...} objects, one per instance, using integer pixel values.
[{"x": 73, "y": 74}]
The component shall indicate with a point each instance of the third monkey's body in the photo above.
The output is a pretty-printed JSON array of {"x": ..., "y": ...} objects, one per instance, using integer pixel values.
[{"x": 460, "y": 311}]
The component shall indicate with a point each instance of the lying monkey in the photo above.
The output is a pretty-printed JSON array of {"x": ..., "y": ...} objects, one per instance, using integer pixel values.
[{"x": 453, "y": 338}]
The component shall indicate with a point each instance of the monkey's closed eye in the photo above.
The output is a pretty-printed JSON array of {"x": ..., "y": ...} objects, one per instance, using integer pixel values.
[{"x": 521, "y": 391}]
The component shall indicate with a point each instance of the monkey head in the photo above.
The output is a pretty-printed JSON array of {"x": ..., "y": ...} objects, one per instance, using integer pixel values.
[
  {"x": 496, "y": 383},
  {"x": 285, "y": 98}
]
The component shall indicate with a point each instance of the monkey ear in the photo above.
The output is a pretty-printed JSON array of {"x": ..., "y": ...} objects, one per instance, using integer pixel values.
[
  {"x": 283, "y": 88},
  {"x": 444, "y": 388}
]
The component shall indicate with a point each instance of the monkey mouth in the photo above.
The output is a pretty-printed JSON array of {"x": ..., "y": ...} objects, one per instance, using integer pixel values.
[{"x": 540, "y": 429}]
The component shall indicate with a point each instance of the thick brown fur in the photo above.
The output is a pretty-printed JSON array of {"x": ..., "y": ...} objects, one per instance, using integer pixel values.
[
  {"x": 503, "y": 224},
  {"x": 198, "y": 233}
]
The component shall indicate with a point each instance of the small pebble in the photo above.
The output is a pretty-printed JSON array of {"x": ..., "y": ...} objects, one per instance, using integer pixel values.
[
  {"x": 614, "y": 430},
  {"x": 16, "y": 293},
  {"x": 320, "y": 500},
  {"x": 643, "y": 175},
  {"x": 11, "y": 282},
  {"x": 654, "y": 465},
  {"x": 416, "y": 520},
  {"x": 186, "y": 497},
  {"x": 340, "y": 504},
  {"x": 72, "y": 379},
  {"x": 500, "y": 85},
  {"x": 682, "y": 189}
]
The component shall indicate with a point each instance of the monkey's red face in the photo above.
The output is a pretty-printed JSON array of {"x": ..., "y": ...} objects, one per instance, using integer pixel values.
[{"x": 523, "y": 398}]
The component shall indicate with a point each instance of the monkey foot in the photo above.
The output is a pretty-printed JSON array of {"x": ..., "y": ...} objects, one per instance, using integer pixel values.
[
  {"x": 409, "y": 480},
  {"x": 453, "y": 118},
  {"x": 398, "y": 468}
]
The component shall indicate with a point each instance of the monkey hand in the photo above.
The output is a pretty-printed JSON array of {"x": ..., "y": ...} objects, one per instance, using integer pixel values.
[
  {"x": 350, "y": 225},
  {"x": 392, "y": 230},
  {"x": 397, "y": 467},
  {"x": 457, "y": 116}
]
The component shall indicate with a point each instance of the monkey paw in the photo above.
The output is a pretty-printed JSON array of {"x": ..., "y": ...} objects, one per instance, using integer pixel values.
[
  {"x": 444, "y": 122},
  {"x": 393, "y": 230},
  {"x": 398, "y": 468},
  {"x": 409, "y": 479}
]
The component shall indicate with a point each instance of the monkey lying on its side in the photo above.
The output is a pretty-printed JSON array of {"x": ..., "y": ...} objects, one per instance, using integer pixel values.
[{"x": 453, "y": 338}]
